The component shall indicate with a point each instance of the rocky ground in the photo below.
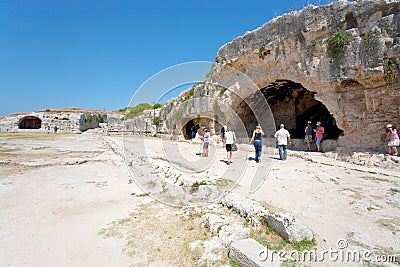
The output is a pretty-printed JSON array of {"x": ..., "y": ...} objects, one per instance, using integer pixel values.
[{"x": 70, "y": 200}]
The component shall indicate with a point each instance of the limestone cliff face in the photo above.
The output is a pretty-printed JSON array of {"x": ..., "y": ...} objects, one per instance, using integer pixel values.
[
  {"x": 359, "y": 87},
  {"x": 358, "y": 82},
  {"x": 66, "y": 120}
]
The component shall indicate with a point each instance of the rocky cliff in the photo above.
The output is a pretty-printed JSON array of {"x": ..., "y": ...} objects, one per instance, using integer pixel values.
[{"x": 337, "y": 63}]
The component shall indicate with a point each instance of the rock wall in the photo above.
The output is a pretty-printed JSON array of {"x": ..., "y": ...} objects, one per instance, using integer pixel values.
[
  {"x": 66, "y": 121},
  {"x": 357, "y": 84},
  {"x": 360, "y": 88}
]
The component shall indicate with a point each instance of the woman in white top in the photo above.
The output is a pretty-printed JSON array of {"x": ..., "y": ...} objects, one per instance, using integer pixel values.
[{"x": 229, "y": 139}]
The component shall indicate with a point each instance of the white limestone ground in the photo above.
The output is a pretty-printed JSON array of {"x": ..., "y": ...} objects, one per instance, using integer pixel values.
[
  {"x": 56, "y": 194},
  {"x": 61, "y": 197}
]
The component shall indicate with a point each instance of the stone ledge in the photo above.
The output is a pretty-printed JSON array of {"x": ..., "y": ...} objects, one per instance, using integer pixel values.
[
  {"x": 283, "y": 223},
  {"x": 249, "y": 253}
]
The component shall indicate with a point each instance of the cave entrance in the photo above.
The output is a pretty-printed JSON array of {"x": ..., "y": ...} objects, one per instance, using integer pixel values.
[
  {"x": 293, "y": 105},
  {"x": 190, "y": 126},
  {"x": 30, "y": 122},
  {"x": 212, "y": 125}
]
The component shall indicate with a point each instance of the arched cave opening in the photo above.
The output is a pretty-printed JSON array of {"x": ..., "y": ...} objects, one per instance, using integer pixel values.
[
  {"x": 30, "y": 122},
  {"x": 213, "y": 126},
  {"x": 292, "y": 105},
  {"x": 187, "y": 129}
]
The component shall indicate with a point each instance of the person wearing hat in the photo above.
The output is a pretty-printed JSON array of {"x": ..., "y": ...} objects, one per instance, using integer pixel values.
[
  {"x": 206, "y": 140},
  {"x": 308, "y": 138},
  {"x": 393, "y": 138},
  {"x": 256, "y": 139}
]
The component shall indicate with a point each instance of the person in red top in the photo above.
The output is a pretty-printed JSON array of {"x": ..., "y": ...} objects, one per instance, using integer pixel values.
[
  {"x": 393, "y": 139},
  {"x": 319, "y": 134}
]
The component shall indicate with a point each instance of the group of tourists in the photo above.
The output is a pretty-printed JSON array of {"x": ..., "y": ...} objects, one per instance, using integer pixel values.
[
  {"x": 282, "y": 139},
  {"x": 319, "y": 135},
  {"x": 55, "y": 128},
  {"x": 228, "y": 139}
]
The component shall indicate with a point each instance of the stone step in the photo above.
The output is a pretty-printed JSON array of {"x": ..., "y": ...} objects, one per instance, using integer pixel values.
[{"x": 249, "y": 253}]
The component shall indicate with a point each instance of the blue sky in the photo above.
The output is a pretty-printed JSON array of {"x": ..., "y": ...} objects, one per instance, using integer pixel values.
[{"x": 94, "y": 54}]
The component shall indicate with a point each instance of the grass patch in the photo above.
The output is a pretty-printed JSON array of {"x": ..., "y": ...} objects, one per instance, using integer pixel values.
[
  {"x": 267, "y": 237},
  {"x": 155, "y": 232},
  {"x": 304, "y": 245},
  {"x": 233, "y": 263}
]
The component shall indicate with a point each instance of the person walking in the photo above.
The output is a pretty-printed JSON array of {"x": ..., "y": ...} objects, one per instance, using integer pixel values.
[
  {"x": 319, "y": 135},
  {"x": 223, "y": 130},
  {"x": 393, "y": 138},
  {"x": 229, "y": 140},
  {"x": 206, "y": 141},
  {"x": 256, "y": 139},
  {"x": 308, "y": 136},
  {"x": 282, "y": 138}
]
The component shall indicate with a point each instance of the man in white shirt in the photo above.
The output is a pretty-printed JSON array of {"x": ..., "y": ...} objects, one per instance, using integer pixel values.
[
  {"x": 282, "y": 138},
  {"x": 206, "y": 141},
  {"x": 229, "y": 140}
]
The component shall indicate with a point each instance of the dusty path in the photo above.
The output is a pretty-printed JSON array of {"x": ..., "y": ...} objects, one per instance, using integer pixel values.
[
  {"x": 58, "y": 193},
  {"x": 337, "y": 200}
]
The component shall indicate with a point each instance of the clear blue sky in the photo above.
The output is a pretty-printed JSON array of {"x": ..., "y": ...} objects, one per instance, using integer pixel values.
[{"x": 94, "y": 54}]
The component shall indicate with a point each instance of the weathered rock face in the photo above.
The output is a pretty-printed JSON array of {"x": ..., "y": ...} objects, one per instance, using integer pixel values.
[
  {"x": 66, "y": 121},
  {"x": 359, "y": 88},
  {"x": 298, "y": 65}
]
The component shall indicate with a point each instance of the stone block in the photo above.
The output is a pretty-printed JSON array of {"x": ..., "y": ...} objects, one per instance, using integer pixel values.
[{"x": 249, "y": 253}]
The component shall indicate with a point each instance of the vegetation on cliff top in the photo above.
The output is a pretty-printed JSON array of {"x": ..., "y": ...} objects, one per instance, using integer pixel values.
[{"x": 136, "y": 110}]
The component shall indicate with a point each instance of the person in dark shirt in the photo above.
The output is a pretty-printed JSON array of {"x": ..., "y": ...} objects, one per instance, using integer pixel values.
[{"x": 308, "y": 138}]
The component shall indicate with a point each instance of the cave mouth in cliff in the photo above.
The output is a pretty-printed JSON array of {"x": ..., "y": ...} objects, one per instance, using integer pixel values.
[
  {"x": 294, "y": 105},
  {"x": 187, "y": 129},
  {"x": 30, "y": 122},
  {"x": 213, "y": 125}
]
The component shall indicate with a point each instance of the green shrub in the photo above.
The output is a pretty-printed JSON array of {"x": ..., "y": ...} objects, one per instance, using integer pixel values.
[
  {"x": 136, "y": 110},
  {"x": 337, "y": 43},
  {"x": 157, "y": 105},
  {"x": 233, "y": 263},
  {"x": 223, "y": 90},
  {"x": 391, "y": 70},
  {"x": 100, "y": 118},
  {"x": 156, "y": 121},
  {"x": 261, "y": 51}
]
